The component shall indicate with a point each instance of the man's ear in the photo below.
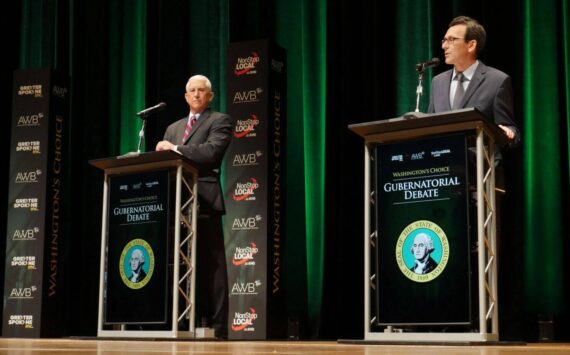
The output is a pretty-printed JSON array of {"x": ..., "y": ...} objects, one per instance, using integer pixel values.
[
  {"x": 472, "y": 46},
  {"x": 211, "y": 97}
]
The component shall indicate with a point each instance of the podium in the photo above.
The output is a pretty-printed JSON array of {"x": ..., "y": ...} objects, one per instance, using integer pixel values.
[
  {"x": 420, "y": 262},
  {"x": 149, "y": 218}
]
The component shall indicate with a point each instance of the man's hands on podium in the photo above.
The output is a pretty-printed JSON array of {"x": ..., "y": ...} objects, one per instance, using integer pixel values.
[
  {"x": 166, "y": 145},
  {"x": 509, "y": 132}
]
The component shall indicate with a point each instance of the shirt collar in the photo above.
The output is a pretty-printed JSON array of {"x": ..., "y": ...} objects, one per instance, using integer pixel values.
[{"x": 469, "y": 72}]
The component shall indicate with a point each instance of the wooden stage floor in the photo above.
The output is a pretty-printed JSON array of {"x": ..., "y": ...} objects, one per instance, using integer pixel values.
[{"x": 143, "y": 347}]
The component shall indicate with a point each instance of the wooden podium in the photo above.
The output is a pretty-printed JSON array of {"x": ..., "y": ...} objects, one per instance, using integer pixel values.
[
  {"x": 180, "y": 301},
  {"x": 484, "y": 136}
]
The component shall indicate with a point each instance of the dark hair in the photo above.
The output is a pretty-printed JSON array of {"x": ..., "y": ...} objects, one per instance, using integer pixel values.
[{"x": 474, "y": 31}]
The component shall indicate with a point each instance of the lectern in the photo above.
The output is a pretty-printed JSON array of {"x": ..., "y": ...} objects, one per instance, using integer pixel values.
[
  {"x": 147, "y": 279},
  {"x": 430, "y": 227}
]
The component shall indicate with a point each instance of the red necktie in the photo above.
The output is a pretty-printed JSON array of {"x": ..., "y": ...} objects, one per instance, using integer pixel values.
[{"x": 189, "y": 125}]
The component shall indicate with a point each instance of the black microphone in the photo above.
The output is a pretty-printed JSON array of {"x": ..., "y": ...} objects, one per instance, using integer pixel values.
[
  {"x": 161, "y": 106},
  {"x": 434, "y": 62}
]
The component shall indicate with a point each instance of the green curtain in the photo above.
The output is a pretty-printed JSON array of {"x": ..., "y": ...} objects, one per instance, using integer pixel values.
[
  {"x": 546, "y": 112},
  {"x": 413, "y": 45},
  {"x": 127, "y": 63},
  {"x": 301, "y": 29},
  {"x": 210, "y": 44},
  {"x": 38, "y": 46}
]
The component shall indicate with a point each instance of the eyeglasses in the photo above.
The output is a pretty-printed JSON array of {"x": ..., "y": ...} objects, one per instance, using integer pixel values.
[{"x": 450, "y": 40}]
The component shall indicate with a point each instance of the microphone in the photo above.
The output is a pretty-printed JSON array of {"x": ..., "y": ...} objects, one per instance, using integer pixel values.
[
  {"x": 434, "y": 62},
  {"x": 161, "y": 106}
]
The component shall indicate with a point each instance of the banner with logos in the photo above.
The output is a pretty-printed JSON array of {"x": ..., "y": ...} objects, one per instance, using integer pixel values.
[
  {"x": 137, "y": 249},
  {"x": 32, "y": 285},
  {"x": 423, "y": 274},
  {"x": 253, "y": 184}
]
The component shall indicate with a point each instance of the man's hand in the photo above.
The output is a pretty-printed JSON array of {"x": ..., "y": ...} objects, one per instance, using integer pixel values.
[
  {"x": 164, "y": 145},
  {"x": 509, "y": 132}
]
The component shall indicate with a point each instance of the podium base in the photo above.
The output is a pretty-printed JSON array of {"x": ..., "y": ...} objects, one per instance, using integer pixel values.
[{"x": 205, "y": 333}]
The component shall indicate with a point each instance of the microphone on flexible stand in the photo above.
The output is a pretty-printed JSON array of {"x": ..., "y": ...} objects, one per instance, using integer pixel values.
[
  {"x": 143, "y": 115},
  {"x": 434, "y": 62},
  {"x": 420, "y": 67},
  {"x": 148, "y": 111}
]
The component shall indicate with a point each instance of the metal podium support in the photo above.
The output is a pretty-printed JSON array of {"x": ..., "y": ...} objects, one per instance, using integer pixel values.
[
  {"x": 184, "y": 277},
  {"x": 486, "y": 136}
]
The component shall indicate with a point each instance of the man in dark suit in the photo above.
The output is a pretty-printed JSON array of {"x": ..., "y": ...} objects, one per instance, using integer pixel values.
[
  {"x": 470, "y": 83},
  {"x": 487, "y": 89},
  {"x": 203, "y": 137}
]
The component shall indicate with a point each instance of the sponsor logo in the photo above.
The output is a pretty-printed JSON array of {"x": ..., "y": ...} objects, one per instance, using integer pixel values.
[
  {"x": 246, "y": 223},
  {"x": 29, "y": 146},
  {"x": 136, "y": 264},
  {"x": 245, "y": 256},
  {"x": 30, "y": 120},
  {"x": 247, "y": 96},
  {"x": 28, "y": 176},
  {"x": 23, "y": 293},
  {"x": 247, "y": 159},
  {"x": 59, "y": 91},
  {"x": 438, "y": 153},
  {"x": 247, "y": 65},
  {"x": 24, "y": 320},
  {"x": 245, "y": 288},
  {"x": 422, "y": 251},
  {"x": 31, "y": 203},
  {"x": 151, "y": 184},
  {"x": 25, "y": 234},
  {"x": 246, "y": 191},
  {"x": 398, "y": 157},
  {"x": 418, "y": 156},
  {"x": 244, "y": 322},
  {"x": 28, "y": 262},
  {"x": 246, "y": 127},
  {"x": 33, "y": 90}
]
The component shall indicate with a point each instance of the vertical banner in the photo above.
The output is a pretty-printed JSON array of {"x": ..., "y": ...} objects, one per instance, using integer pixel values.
[
  {"x": 137, "y": 249},
  {"x": 32, "y": 287},
  {"x": 423, "y": 232},
  {"x": 253, "y": 183}
]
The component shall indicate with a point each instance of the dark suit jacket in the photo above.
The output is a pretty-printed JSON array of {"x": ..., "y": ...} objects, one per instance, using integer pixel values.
[
  {"x": 490, "y": 91},
  {"x": 205, "y": 145}
]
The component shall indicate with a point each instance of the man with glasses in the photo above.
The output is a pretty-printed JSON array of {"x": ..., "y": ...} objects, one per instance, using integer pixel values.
[{"x": 470, "y": 83}]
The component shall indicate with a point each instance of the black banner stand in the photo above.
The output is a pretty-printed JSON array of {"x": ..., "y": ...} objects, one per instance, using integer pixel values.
[
  {"x": 476, "y": 128},
  {"x": 183, "y": 279}
]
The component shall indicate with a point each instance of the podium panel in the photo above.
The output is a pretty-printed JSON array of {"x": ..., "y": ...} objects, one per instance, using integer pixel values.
[
  {"x": 423, "y": 249},
  {"x": 137, "y": 259}
]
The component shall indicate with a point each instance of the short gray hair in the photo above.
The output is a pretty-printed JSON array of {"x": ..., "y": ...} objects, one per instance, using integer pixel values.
[{"x": 199, "y": 77}]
